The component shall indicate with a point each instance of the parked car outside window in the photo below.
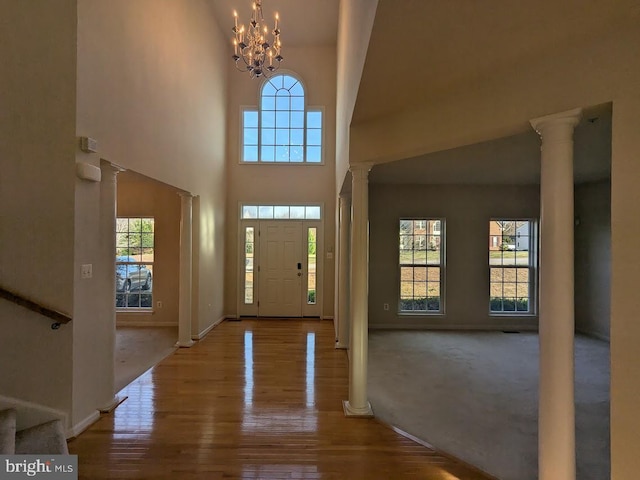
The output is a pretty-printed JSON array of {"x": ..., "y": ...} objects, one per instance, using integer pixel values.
[{"x": 131, "y": 275}]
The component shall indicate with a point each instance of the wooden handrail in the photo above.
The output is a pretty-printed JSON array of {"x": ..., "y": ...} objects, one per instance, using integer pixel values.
[{"x": 58, "y": 317}]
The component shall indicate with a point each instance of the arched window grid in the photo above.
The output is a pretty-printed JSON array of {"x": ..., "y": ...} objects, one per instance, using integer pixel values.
[{"x": 282, "y": 129}]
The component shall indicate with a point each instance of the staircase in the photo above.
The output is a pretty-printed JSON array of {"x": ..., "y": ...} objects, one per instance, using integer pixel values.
[{"x": 44, "y": 438}]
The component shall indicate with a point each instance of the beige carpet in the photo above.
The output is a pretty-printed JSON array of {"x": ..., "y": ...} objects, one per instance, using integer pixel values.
[
  {"x": 140, "y": 348},
  {"x": 475, "y": 396}
]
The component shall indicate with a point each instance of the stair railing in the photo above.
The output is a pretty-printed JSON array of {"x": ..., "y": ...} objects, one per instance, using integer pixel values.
[{"x": 58, "y": 318}]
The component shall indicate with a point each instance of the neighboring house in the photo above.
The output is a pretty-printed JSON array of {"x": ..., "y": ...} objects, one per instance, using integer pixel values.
[
  {"x": 495, "y": 235},
  {"x": 522, "y": 236}
]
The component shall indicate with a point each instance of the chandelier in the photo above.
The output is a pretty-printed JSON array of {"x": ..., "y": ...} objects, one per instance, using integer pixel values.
[{"x": 259, "y": 55}]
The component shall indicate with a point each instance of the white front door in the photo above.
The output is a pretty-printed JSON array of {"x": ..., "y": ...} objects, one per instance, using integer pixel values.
[{"x": 281, "y": 269}]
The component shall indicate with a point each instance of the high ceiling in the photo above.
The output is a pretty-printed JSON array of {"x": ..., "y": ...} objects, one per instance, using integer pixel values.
[
  {"x": 421, "y": 49},
  {"x": 303, "y": 22}
]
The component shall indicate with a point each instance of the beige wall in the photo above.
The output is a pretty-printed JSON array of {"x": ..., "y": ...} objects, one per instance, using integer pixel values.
[
  {"x": 467, "y": 211},
  {"x": 151, "y": 91},
  {"x": 593, "y": 258},
  {"x": 160, "y": 201},
  {"x": 37, "y": 181},
  {"x": 625, "y": 301},
  {"x": 288, "y": 184}
]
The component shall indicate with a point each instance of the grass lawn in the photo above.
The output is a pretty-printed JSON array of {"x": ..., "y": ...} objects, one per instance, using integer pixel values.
[{"x": 420, "y": 257}]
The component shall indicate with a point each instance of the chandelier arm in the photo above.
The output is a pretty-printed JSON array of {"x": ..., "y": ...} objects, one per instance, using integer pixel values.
[{"x": 254, "y": 47}]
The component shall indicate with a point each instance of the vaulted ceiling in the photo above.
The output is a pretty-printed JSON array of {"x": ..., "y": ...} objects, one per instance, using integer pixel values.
[{"x": 425, "y": 49}]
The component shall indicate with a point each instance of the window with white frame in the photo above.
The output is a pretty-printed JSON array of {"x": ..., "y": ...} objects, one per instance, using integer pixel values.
[
  {"x": 135, "y": 246},
  {"x": 282, "y": 129},
  {"x": 281, "y": 212},
  {"x": 249, "y": 256},
  {"x": 512, "y": 266},
  {"x": 421, "y": 261}
]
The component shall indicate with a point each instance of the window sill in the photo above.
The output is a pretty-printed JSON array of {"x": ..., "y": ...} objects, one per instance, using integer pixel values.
[
  {"x": 136, "y": 311},
  {"x": 421, "y": 314}
]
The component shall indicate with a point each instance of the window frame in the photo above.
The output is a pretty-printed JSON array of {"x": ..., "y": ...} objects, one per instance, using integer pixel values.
[
  {"x": 441, "y": 265},
  {"x": 531, "y": 266},
  {"x": 126, "y": 307},
  {"x": 258, "y": 108}
]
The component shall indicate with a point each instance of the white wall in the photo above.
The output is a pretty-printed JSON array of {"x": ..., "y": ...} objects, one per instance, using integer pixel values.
[
  {"x": 354, "y": 31},
  {"x": 288, "y": 184},
  {"x": 151, "y": 91},
  {"x": 37, "y": 182},
  {"x": 593, "y": 258},
  {"x": 467, "y": 210}
]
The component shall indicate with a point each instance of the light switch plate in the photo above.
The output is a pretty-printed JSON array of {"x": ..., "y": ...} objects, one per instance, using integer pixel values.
[{"x": 86, "y": 271}]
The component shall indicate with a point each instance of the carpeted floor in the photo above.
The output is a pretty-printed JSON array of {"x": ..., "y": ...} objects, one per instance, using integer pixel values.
[
  {"x": 140, "y": 348},
  {"x": 475, "y": 396}
]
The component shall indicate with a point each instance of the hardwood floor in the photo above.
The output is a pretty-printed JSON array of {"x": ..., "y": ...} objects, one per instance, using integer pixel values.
[{"x": 256, "y": 399}]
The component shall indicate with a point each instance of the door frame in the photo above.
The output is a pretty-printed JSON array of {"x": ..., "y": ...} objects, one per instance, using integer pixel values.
[{"x": 251, "y": 309}]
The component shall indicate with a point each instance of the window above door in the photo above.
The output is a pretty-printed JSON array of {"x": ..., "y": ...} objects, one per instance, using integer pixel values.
[{"x": 281, "y": 212}]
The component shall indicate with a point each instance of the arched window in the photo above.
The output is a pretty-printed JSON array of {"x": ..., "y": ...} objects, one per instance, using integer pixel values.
[{"x": 282, "y": 129}]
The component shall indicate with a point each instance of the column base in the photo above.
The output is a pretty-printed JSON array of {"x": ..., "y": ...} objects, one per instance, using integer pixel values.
[
  {"x": 341, "y": 346},
  {"x": 349, "y": 411},
  {"x": 186, "y": 344}
]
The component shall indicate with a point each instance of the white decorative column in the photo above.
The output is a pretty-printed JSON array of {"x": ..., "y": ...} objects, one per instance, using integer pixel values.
[
  {"x": 556, "y": 414},
  {"x": 342, "y": 296},
  {"x": 358, "y": 405},
  {"x": 184, "y": 308},
  {"x": 108, "y": 215}
]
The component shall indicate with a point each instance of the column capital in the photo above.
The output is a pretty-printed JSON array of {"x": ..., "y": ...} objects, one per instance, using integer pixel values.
[
  {"x": 107, "y": 166},
  {"x": 570, "y": 119},
  {"x": 360, "y": 170},
  {"x": 186, "y": 195}
]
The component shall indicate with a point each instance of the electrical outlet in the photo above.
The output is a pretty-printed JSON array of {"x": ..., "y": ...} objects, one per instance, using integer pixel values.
[
  {"x": 159, "y": 304},
  {"x": 385, "y": 306}
]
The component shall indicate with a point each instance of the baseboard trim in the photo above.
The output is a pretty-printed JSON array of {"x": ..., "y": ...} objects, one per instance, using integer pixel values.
[
  {"x": 327, "y": 318},
  {"x": 465, "y": 328},
  {"x": 137, "y": 323},
  {"x": 81, "y": 426},
  {"x": 341, "y": 346},
  {"x": 595, "y": 335},
  {"x": 206, "y": 331},
  {"x": 111, "y": 406}
]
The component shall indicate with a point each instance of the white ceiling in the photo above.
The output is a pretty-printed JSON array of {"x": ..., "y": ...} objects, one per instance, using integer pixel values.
[{"x": 303, "y": 22}]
